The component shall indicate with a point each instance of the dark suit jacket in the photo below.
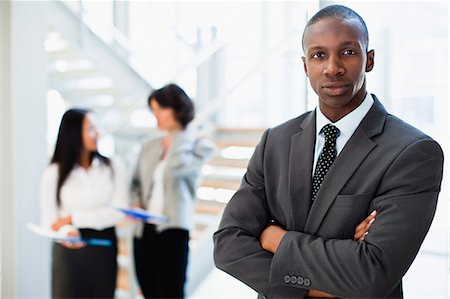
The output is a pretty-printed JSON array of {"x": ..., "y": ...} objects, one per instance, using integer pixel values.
[{"x": 386, "y": 165}]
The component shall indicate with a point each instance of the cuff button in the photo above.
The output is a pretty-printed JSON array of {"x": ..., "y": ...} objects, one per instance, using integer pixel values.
[{"x": 307, "y": 282}]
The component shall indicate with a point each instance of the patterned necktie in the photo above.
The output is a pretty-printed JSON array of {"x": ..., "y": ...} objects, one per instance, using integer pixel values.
[{"x": 326, "y": 158}]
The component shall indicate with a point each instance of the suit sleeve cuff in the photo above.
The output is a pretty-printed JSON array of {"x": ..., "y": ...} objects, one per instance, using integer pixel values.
[{"x": 284, "y": 268}]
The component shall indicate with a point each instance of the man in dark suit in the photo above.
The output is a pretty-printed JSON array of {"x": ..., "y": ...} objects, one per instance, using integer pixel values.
[{"x": 289, "y": 231}]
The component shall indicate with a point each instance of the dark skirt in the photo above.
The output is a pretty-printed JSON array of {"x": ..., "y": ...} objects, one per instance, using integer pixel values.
[
  {"x": 161, "y": 260},
  {"x": 89, "y": 272}
]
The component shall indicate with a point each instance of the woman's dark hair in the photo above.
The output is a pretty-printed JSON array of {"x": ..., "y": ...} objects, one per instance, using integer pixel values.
[
  {"x": 69, "y": 145},
  {"x": 172, "y": 96}
]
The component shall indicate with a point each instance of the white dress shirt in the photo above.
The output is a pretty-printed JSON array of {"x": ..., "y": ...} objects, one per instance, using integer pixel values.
[
  {"x": 86, "y": 195},
  {"x": 346, "y": 125}
]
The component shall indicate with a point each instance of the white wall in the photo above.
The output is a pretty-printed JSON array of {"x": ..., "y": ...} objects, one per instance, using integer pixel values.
[
  {"x": 7, "y": 281},
  {"x": 25, "y": 257}
]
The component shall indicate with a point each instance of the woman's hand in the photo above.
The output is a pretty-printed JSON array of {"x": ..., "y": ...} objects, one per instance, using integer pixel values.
[
  {"x": 363, "y": 228},
  {"x": 61, "y": 222},
  {"x": 73, "y": 245},
  {"x": 73, "y": 233}
]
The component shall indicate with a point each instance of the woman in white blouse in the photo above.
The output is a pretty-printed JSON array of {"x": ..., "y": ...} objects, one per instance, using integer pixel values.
[
  {"x": 165, "y": 183},
  {"x": 78, "y": 189}
]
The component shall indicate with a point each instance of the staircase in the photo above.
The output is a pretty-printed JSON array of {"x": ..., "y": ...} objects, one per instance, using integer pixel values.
[
  {"x": 222, "y": 177},
  {"x": 86, "y": 72}
]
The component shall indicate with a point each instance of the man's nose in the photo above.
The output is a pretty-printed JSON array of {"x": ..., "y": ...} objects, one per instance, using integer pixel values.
[{"x": 334, "y": 67}]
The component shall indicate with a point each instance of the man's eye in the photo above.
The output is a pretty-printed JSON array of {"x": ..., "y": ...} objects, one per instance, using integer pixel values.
[
  {"x": 318, "y": 55},
  {"x": 349, "y": 52}
]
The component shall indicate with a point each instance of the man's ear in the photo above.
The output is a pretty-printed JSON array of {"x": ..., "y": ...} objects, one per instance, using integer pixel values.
[
  {"x": 370, "y": 60},
  {"x": 304, "y": 66}
]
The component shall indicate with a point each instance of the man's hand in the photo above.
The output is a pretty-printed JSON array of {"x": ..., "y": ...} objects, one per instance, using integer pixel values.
[
  {"x": 363, "y": 228},
  {"x": 360, "y": 232},
  {"x": 271, "y": 237},
  {"x": 319, "y": 294}
]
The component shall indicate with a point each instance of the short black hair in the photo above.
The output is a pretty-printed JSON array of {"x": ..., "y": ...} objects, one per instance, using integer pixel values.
[
  {"x": 173, "y": 96},
  {"x": 339, "y": 12}
]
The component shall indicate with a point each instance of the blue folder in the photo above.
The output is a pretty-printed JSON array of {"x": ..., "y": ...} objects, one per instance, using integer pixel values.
[
  {"x": 88, "y": 241},
  {"x": 142, "y": 214}
]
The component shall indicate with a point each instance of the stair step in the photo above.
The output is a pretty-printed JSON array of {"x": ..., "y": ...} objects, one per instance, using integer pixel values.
[
  {"x": 246, "y": 137},
  {"x": 81, "y": 93},
  {"x": 71, "y": 74},
  {"x": 209, "y": 207},
  {"x": 220, "y": 183},
  {"x": 251, "y": 131},
  {"x": 67, "y": 53},
  {"x": 221, "y": 161},
  {"x": 227, "y": 141},
  {"x": 88, "y": 83}
]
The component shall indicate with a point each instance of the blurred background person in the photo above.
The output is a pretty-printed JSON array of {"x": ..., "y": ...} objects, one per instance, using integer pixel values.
[
  {"x": 165, "y": 183},
  {"x": 77, "y": 191}
]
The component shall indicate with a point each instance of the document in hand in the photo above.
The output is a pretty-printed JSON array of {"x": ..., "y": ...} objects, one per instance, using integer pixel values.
[
  {"x": 142, "y": 214},
  {"x": 50, "y": 234}
]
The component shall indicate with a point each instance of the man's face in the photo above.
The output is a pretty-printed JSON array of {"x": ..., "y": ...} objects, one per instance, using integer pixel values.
[{"x": 336, "y": 61}]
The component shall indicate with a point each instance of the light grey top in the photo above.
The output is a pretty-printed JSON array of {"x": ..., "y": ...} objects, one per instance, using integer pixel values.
[{"x": 185, "y": 159}]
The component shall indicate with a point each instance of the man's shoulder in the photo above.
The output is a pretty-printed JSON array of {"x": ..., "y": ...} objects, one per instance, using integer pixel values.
[
  {"x": 393, "y": 127},
  {"x": 398, "y": 136},
  {"x": 401, "y": 130}
]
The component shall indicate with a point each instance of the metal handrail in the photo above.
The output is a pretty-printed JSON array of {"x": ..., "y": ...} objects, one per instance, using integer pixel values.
[
  {"x": 200, "y": 58},
  {"x": 219, "y": 100},
  {"x": 169, "y": 24}
]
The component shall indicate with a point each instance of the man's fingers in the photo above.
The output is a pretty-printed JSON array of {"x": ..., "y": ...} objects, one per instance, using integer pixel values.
[
  {"x": 360, "y": 234},
  {"x": 362, "y": 237},
  {"x": 362, "y": 228},
  {"x": 316, "y": 293},
  {"x": 366, "y": 221}
]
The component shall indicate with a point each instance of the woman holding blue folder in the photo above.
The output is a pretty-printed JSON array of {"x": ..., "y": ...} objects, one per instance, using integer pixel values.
[
  {"x": 77, "y": 191},
  {"x": 164, "y": 184}
]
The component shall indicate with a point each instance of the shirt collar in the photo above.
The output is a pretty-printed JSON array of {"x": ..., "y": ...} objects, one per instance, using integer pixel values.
[{"x": 348, "y": 124}]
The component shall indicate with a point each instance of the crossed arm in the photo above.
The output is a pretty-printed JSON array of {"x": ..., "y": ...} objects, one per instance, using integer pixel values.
[{"x": 272, "y": 235}]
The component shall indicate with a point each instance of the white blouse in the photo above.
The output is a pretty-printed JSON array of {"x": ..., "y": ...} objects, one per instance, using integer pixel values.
[
  {"x": 155, "y": 203},
  {"x": 86, "y": 195}
]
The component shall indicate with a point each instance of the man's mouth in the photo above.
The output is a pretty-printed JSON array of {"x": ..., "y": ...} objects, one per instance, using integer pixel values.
[{"x": 335, "y": 89}]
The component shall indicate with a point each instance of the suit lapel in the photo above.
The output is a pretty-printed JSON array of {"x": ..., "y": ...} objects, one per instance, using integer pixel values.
[
  {"x": 351, "y": 156},
  {"x": 301, "y": 155}
]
